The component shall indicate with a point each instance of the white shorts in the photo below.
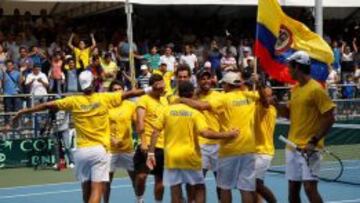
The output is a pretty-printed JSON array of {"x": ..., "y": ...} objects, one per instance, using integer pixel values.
[
  {"x": 176, "y": 176},
  {"x": 209, "y": 155},
  {"x": 237, "y": 172},
  {"x": 297, "y": 169},
  {"x": 121, "y": 160},
  {"x": 91, "y": 164},
  {"x": 262, "y": 164}
]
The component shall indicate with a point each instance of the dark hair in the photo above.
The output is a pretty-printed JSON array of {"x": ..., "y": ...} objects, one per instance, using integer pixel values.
[
  {"x": 183, "y": 68},
  {"x": 186, "y": 89},
  {"x": 9, "y": 61},
  {"x": 116, "y": 82},
  {"x": 306, "y": 69},
  {"x": 155, "y": 78}
]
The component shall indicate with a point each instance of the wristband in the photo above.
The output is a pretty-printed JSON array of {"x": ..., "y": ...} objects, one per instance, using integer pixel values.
[
  {"x": 151, "y": 154},
  {"x": 147, "y": 89}
]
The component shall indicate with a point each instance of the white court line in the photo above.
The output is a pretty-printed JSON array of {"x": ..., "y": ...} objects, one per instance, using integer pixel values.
[
  {"x": 70, "y": 191},
  {"x": 52, "y": 184},
  {"x": 346, "y": 201}
]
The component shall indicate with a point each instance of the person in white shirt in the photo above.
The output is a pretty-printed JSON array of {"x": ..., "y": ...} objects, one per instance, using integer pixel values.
[
  {"x": 38, "y": 83},
  {"x": 247, "y": 60},
  {"x": 188, "y": 58},
  {"x": 331, "y": 83},
  {"x": 168, "y": 59}
]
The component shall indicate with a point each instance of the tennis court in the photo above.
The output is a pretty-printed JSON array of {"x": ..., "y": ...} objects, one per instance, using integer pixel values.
[{"x": 122, "y": 192}]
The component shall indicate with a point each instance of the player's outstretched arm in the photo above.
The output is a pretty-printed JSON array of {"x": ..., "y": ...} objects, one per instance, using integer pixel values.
[
  {"x": 219, "y": 135},
  {"x": 196, "y": 104},
  {"x": 37, "y": 108}
]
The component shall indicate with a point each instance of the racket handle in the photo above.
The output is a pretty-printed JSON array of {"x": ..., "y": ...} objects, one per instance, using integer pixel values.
[{"x": 288, "y": 142}]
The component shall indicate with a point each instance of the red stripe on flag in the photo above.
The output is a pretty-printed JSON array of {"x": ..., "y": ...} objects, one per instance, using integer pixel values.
[{"x": 276, "y": 70}]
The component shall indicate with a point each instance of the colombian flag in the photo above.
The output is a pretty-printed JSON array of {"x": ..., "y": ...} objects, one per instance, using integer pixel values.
[{"x": 278, "y": 36}]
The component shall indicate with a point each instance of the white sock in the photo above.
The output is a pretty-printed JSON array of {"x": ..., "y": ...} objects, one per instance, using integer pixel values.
[{"x": 140, "y": 199}]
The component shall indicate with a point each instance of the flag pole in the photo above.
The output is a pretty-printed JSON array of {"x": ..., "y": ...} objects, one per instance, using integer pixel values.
[
  {"x": 129, "y": 11},
  {"x": 319, "y": 17}
]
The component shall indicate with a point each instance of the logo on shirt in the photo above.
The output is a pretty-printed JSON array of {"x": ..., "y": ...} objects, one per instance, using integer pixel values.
[
  {"x": 181, "y": 113},
  {"x": 89, "y": 107},
  {"x": 241, "y": 102}
]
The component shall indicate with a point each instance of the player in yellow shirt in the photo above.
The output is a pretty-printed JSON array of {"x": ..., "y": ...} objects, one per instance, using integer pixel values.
[
  {"x": 265, "y": 120},
  {"x": 311, "y": 116},
  {"x": 209, "y": 147},
  {"x": 182, "y": 151},
  {"x": 82, "y": 53},
  {"x": 182, "y": 73},
  {"x": 236, "y": 168},
  {"x": 149, "y": 107},
  {"x": 90, "y": 112},
  {"x": 121, "y": 142}
]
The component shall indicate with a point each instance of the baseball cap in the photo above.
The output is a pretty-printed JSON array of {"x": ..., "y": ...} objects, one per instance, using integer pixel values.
[
  {"x": 300, "y": 57},
  {"x": 202, "y": 72},
  {"x": 85, "y": 79},
  {"x": 143, "y": 67},
  {"x": 207, "y": 64},
  {"x": 246, "y": 49},
  {"x": 231, "y": 78}
]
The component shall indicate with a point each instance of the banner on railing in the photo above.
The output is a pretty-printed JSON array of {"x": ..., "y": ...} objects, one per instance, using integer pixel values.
[{"x": 27, "y": 152}]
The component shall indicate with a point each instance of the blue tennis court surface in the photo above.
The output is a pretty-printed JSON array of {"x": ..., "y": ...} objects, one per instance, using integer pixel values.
[{"x": 122, "y": 192}]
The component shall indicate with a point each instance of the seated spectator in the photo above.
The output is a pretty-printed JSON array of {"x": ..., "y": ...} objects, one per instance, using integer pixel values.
[
  {"x": 37, "y": 83},
  {"x": 143, "y": 79},
  {"x": 11, "y": 79}
]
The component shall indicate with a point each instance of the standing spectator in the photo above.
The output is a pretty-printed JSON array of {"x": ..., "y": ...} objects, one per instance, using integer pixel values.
[
  {"x": 37, "y": 55},
  {"x": 169, "y": 59},
  {"x": 228, "y": 62},
  {"x": 247, "y": 60},
  {"x": 214, "y": 57},
  {"x": 143, "y": 79},
  {"x": 97, "y": 72},
  {"x": 332, "y": 82},
  {"x": 347, "y": 58},
  {"x": 56, "y": 74},
  {"x": 38, "y": 83},
  {"x": 152, "y": 59},
  {"x": 337, "y": 56},
  {"x": 82, "y": 53},
  {"x": 349, "y": 89},
  {"x": 71, "y": 76},
  {"x": 13, "y": 46},
  {"x": 124, "y": 50},
  {"x": 110, "y": 70},
  {"x": 3, "y": 58},
  {"x": 188, "y": 58},
  {"x": 229, "y": 46},
  {"x": 11, "y": 79},
  {"x": 44, "y": 24},
  {"x": 25, "y": 63}
]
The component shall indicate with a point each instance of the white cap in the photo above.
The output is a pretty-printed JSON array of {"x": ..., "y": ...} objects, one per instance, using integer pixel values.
[
  {"x": 246, "y": 49},
  {"x": 207, "y": 64},
  {"x": 85, "y": 79},
  {"x": 231, "y": 78},
  {"x": 300, "y": 57},
  {"x": 143, "y": 67}
]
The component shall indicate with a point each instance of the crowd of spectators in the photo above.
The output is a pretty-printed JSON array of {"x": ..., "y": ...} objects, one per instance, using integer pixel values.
[{"x": 45, "y": 54}]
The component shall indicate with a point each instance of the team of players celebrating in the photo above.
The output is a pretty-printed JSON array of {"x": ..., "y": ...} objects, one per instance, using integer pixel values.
[{"x": 185, "y": 132}]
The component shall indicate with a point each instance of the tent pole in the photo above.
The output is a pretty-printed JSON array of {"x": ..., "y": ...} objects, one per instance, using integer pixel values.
[
  {"x": 319, "y": 17},
  {"x": 129, "y": 11}
]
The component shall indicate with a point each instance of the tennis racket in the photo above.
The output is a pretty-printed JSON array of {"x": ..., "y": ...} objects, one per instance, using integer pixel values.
[{"x": 332, "y": 167}]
